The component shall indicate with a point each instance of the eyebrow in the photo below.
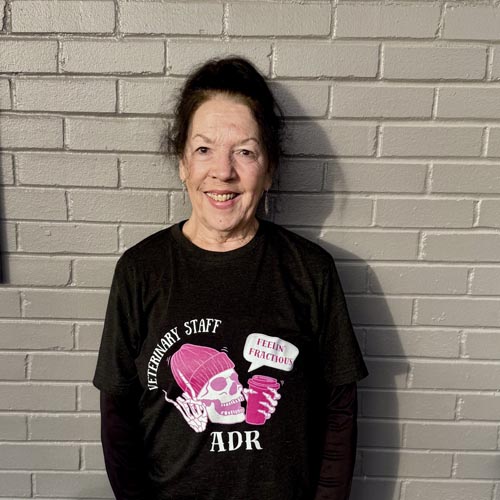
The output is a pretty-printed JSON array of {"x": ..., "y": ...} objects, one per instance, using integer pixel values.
[{"x": 207, "y": 139}]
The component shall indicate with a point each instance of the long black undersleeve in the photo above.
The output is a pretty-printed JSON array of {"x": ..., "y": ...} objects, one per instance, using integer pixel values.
[
  {"x": 123, "y": 447},
  {"x": 339, "y": 452}
]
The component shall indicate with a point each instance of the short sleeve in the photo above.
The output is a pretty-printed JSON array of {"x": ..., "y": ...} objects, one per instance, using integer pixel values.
[
  {"x": 340, "y": 352},
  {"x": 116, "y": 371}
]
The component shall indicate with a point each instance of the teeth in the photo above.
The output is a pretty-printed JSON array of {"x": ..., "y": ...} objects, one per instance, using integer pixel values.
[{"x": 222, "y": 197}]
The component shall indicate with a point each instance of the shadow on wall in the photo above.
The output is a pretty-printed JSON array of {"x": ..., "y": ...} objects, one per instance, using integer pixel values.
[{"x": 379, "y": 436}]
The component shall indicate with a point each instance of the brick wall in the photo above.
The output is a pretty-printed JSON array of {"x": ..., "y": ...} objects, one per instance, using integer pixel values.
[{"x": 393, "y": 146}]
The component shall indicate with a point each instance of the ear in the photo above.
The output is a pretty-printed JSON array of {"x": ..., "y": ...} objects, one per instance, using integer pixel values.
[{"x": 182, "y": 170}]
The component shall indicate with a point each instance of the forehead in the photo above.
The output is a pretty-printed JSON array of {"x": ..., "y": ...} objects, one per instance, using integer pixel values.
[{"x": 224, "y": 112}]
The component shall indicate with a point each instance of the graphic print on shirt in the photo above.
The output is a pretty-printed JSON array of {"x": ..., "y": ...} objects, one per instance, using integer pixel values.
[{"x": 211, "y": 389}]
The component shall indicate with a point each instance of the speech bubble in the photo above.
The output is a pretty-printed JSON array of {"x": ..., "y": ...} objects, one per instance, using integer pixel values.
[{"x": 262, "y": 350}]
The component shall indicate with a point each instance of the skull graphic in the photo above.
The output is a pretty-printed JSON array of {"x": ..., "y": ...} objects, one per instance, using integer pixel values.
[{"x": 222, "y": 396}]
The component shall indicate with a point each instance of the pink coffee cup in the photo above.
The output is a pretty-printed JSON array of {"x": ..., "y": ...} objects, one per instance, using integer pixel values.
[{"x": 259, "y": 385}]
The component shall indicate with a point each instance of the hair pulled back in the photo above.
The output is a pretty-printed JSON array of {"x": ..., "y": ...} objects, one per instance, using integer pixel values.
[{"x": 236, "y": 77}]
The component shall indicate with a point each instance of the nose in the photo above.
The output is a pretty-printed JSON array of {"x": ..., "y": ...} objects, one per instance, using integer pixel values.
[{"x": 223, "y": 167}]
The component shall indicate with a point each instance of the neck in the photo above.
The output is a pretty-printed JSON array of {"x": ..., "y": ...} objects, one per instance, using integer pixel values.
[{"x": 219, "y": 241}]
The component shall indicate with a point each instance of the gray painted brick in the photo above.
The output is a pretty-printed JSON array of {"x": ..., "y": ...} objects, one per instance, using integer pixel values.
[
  {"x": 89, "y": 398},
  {"x": 70, "y": 95},
  {"x": 22, "y": 203},
  {"x": 352, "y": 277},
  {"x": 417, "y": 140},
  {"x": 12, "y": 428},
  {"x": 318, "y": 210},
  {"x": 408, "y": 405},
  {"x": 462, "y": 375},
  {"x": 485, "y": 281},
  {"x": 38, "y": 456},
  {"x": 88, "y": 336},
  {"x": 371, "y": 245},
  {"x": 6, "y": 170},
  {"x": 480, "y": 407},
  {"x": 35, "y": 335},
  {"x": 318, "y": 59},
  {"x": 123, "y": 56},
  {"x": 16, "y": 484},
  {"x": 80, "y": 304},
  {"x": 8, "y": 237},
  {"x": 410, "y": 212},
  {"x": 451, "y": 436},
  {"x": 406, "y": 464},
  {"x": 64, "y": 427},
  {"x": 369, "y": 310},
  {"x": 191, "y": 18},
  {"x": 355, "y": 176},
  {"x": 364, "y": 488},
  {"x": 93, "y": 458},
  {"x": 145, "y": 171},
  {"x": 12, "y": 366},
  {"x": 63, "y": 16},
  {"x": 383, "y": 434},
  {"x": 95, "y": 272},
  {"x": 386, "y": 374},
  {"x": 184, "y": 55},
  {"x": 301, "y": 99},
  {"x": 418, "y": 279},
  {"x": 67, "y": 169},
  {"x": 36, "y": 270},
  {"x": 411, "y": 342},
  {"x": 63, "y": 366},
  {"x": 5, "y": 95},
  {"x": 469, "y": 178},
  {"x": 180, "y": 208},
  {"x": 371, "y": 101},
  {"x": 130, "y": 234},
  {"x": 76, "y": 485},
  {"x": 482, "y": 344},
  {"x": 447, "y": 490},
  {"x": 495, "y": 70},
  {"x": 461, "y": 246},
  {"x": 127, "y": 134},
  {"x": 28, "y": 56},
  {"x": 37, "y": 397},
  {"x": 67, "y": 237},
  {"x": 494, "y": 142},
  {"x": 489, "y": 213},
  {"x": 330, "y": 138},
  {"x": 468, "y": 102},
  {"x": 389, "y": 21},
  {"x": 474, "y": 22},
  {"x": 433, "y": 63},
  {"x": 43, "y": 132},
  {"x": 262, "y": 18},
  {"x": 148, "y": 95},
  {"x": 10, "y": 304},
  {"x": 127, "y": 206},
  {"x": 300, "y": 175},
  {"x": 478, "y": 466},
  {"x": 457, "y": 312}
]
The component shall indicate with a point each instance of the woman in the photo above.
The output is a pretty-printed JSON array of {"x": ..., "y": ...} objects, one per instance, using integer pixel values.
[{"x": 228, "y": 364}]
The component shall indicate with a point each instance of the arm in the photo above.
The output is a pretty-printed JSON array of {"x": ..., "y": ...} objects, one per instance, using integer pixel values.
[
  {"x": 123, "y": 447},
  {"x": 339, "y": 452}
]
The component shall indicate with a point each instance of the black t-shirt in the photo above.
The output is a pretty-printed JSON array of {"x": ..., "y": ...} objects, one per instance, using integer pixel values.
[{"x": 234, "y": 354}]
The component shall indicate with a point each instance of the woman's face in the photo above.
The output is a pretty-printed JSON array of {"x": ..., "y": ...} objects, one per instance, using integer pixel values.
[{"x": 224, "y": 167}]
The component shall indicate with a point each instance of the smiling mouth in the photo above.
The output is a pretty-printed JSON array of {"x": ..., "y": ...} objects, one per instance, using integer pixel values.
[{"x": 222, "y": 197}]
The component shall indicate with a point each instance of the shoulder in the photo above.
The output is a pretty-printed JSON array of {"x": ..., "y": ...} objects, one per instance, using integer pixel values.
[
  {"x": 294, "y": 246},
  {"x": 148, "y": 252}
]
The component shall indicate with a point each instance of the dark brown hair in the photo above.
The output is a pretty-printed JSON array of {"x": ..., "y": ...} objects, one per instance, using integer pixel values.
[{"x": 236, "y": 77}]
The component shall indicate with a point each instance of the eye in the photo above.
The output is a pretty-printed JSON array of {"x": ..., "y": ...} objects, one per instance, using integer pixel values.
[
  {"x": 202, "y": 150},
  {"x": 218, "y": 383},
  {"x": 247, "y": 153}
]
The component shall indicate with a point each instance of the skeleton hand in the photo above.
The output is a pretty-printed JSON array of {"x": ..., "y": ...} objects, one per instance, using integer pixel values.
[
  {"x": 193, "y": 410},
  {"x": 269, "y": 406}
]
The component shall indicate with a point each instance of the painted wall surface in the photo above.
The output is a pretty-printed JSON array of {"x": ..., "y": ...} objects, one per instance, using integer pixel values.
[{"x": 392, "y": 164}]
